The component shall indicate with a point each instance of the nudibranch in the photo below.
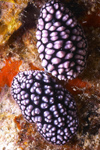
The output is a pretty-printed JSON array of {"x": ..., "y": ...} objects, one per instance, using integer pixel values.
[
  {"x": 61, "y": 42},
  {"x": 45, "y": 102}
]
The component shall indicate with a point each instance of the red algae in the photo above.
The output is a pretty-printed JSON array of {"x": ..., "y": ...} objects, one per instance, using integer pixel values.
[
  {"x": 7, "y": 73},
  {"x": 92, "y": 19},
  {"x": 17, "y": 121},
  {"x": 78, "y": 84}
]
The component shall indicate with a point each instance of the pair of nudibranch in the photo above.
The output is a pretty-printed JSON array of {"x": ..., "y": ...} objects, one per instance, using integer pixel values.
[{"x": 62, "y": 47}]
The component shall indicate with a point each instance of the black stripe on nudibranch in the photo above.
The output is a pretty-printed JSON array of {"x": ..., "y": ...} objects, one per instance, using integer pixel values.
[
  {"x": 61, "y": 41},
  {"x": 43, "y": 101}
]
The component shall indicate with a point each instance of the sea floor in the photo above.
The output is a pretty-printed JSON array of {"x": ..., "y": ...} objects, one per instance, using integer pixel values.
[{"x": 18, "y": 52}]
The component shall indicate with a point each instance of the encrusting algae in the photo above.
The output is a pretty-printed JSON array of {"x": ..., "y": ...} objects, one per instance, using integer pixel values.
[{"x": 9, "y": 20}]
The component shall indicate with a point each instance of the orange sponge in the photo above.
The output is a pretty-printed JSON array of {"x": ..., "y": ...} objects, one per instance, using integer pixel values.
[{"x": 8, "y": 72}]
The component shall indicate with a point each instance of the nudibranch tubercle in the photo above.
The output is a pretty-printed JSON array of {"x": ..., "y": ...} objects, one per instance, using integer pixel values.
[
  {"x": 45, "y": 102},
  {"x": 61, "y": 42}
]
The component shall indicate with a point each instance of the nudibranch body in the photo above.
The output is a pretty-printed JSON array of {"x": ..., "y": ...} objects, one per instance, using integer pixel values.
[
  {"x": 61, "y": 41},
  {"x": 45, "y": 102}
]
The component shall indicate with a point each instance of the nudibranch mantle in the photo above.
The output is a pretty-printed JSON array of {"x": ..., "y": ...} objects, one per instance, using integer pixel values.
[
  {"x": 61, "y": 42},
  {"x": 45, "y": 102}
]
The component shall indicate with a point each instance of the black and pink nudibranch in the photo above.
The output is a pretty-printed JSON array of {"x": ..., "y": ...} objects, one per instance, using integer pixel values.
[
  {"x": 45, "y": 102},
  {"x": 61, "y": 41}
]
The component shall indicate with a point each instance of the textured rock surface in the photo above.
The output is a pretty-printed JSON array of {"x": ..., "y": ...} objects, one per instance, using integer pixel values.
[{"x": 15, "y": 132}]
